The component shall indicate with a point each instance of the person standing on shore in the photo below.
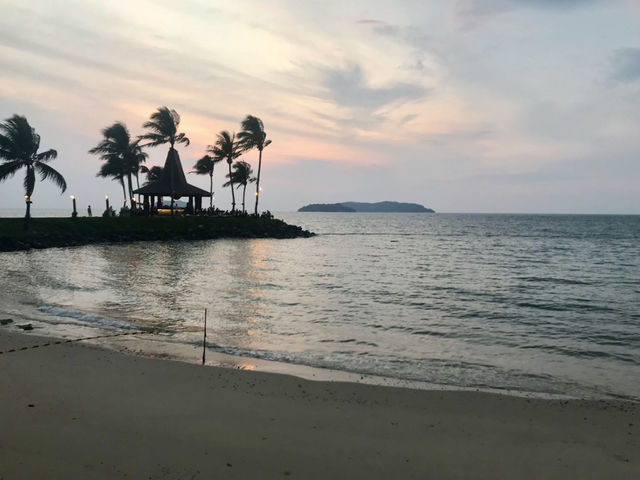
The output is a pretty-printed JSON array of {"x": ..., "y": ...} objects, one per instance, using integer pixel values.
[{"x": 89, "y": 211}]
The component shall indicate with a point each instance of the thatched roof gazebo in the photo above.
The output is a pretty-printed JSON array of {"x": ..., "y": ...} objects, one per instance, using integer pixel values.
[{"x": 173, "y": 184}]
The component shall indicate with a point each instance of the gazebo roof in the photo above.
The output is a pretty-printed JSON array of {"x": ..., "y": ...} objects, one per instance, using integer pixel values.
[{"x": 172, "y": 183}]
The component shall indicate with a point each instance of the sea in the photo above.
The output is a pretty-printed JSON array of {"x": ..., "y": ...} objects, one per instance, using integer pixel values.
[{"x": 528, "y": 304}]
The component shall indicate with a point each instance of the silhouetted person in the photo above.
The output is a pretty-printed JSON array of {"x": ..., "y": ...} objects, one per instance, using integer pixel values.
[{"x": 89, "y": 211}]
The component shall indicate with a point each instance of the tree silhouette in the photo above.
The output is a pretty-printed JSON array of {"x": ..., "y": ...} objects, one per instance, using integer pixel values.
[
  {"x": 121, "y": 154},
  {"x": 113, "y": 168},
  {"x": 254, "y": 136},
  {"x": 242, "y": 175},
  {"x": 163, "y": 125},
  {"x": 153, "y": 174},
  {"x": 19, "y": 144},
  {"x": 205, "y": 166},
  {"x": 228, "y": 149}
]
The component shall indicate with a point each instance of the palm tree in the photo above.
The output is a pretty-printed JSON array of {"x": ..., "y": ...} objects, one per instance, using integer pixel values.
[
  {"x": 123, "y": 155},
  {"x": 153, "y": 174},
  {"x": 163, "y": 124},
  {"x": 205, "y": 166},
  {"x": 19, "y": 145},
  {"x": 242, "y": 175},
  {"x": 254, "y": 136},
  {"x": 113, "y": 168},
  {"x": 226, "y": 148}
]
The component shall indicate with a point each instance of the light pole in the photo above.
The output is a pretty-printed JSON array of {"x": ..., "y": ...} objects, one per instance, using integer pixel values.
[
  {"x": 106, "y": 199},
  {"x": 75, "y": 212},
  {"x": 27, "y": 200}
]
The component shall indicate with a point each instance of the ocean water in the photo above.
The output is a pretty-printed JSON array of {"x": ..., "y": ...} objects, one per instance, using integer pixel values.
[{"x": 548, "y": 304}]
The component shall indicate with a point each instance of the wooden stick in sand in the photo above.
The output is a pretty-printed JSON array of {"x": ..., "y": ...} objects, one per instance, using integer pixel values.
[{"x": 204, "y": 340}]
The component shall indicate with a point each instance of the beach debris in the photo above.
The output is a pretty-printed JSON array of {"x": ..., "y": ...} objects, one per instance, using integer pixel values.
[
  {"x": 31, "y": 405},
  {"x": 26, "y": 326},
  {"x": 6, "y": 321}
]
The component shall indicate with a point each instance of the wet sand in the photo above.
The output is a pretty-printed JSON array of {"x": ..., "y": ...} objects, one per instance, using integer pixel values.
[{"x": 75, "y": 411}]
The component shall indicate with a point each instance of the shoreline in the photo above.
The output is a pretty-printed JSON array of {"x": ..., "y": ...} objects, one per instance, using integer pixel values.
[
  {"x": 190, "y": 353},
  {"x": 74, "y": 411}
]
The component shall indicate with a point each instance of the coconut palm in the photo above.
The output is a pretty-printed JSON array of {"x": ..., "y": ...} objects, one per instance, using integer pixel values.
[
  {"x": 254, "y": 136},
  {"x": 19, "y": 145},
  {"x": 113, "y": 168},
  {"x": 242, "y": 175},
  {"x": 227, "y": 148},
  {"x": 122, "y": 154},
  {"x": 205, "y": 166},
  {"x": 153, "y": 174},
  {"x": 163, "y": 126}
]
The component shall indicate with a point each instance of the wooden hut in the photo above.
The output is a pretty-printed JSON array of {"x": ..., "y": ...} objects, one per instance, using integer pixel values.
[{"x": 173, "y": 184}]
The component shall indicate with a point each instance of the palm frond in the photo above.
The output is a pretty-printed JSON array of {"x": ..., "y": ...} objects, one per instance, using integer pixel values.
[
  {"x": 9, "y": 169},
  {"x": 46, "y": 156},
  {"x": 154, "y": 139},
  {"x": 182, "y": 138},
  {"x": 47, "y": 172},
  {"x": 19, "y": 140}
]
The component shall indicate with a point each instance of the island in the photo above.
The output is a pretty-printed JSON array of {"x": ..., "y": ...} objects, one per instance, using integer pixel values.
[
  {"x": 379, "y": 207},
  {"x": 325, "y": 207}
]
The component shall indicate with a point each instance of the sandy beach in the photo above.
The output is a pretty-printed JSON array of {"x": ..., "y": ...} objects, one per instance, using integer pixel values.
[{"x": 76, "y": 411}]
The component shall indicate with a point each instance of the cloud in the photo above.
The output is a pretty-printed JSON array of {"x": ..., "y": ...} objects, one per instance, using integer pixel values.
[
  {"x": 626, "y": 65},
  {"x": 370, "y": 21},
  {"x": 553, "y": 3},
  {"x": 349, "y": 88},
  {"x": 470, "y": 14}
]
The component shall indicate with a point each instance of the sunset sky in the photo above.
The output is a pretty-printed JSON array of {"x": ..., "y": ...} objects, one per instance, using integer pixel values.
[{"x": 463, "y": 106}]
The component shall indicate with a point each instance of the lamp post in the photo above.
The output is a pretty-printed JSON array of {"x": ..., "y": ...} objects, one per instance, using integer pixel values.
[
  {"x": 106, "y": 199},
  {"x": 27, "y": 216},
  {"x": 27, "y": 200},
  {"x": 75, "y": 212}
]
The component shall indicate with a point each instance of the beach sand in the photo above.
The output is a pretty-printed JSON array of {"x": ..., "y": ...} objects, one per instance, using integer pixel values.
[{"x": 76, "y": 411}]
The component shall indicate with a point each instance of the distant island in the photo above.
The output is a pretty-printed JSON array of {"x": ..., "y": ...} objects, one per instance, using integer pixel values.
[{"x": 380, "y": 207}]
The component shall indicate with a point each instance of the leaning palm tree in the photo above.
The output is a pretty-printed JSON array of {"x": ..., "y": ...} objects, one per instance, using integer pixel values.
[
  {"x": 205, "y": 166},
  {"x": 163, "y": 126},
  {"x": 19, "y": 145},
  {"x": 242, "y": 175},
  {"x": 254, "y": 136},
  {"x": 113, "y": 168},
  {"x": 122, "y": 153},
  {"x": 227, "y": 148}
]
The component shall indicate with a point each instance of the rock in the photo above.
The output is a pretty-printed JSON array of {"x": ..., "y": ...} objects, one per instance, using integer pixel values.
[
  {"x": 26, "y": 326},
  {"x": 6, "y": 321}
]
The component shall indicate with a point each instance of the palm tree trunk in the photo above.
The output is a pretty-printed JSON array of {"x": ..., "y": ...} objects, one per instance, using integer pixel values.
[
  {"x": 258, "y": 181},
  {"x": 27, "y": 215},
  {"x": 124, "y": 192},
  {"x": 130, "y": 188},
  {"x": 211, "y": 189},
  {"x": 244, "y": 190},
  {"x": 233, "y": 195}
]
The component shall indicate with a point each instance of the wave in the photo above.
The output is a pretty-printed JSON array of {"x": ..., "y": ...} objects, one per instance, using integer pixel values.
[{"x": 87, "y": 317}]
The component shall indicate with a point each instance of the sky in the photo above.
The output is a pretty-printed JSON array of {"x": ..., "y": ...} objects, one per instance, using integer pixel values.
[{"x": 528, "y": 106}]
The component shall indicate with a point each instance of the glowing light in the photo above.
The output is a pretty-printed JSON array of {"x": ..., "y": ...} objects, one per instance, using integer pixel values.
[
  {"x": 26, "y": 197},
  {"x": 106, "y": 197},
  {"x": 72, "y": 197}
]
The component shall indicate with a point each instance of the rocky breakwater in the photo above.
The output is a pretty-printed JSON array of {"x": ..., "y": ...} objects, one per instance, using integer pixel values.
[{"x": 68, "y": 232}]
